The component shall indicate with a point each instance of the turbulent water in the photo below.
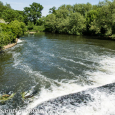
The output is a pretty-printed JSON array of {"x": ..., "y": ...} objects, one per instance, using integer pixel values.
[{"x": 49, "y": 66}]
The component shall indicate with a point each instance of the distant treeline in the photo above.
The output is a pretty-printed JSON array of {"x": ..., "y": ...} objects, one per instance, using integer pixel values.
[
  {"x": 83, "y": 19},
  {"x": 78, "y": 19}
]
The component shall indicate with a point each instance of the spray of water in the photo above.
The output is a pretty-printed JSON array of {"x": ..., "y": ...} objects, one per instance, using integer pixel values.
[{"x": 103, "y": 75}]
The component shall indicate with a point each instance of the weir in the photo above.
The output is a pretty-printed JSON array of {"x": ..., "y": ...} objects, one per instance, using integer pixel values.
[
  {"x": 67, "y": 74},
  {"x": 73, "y": 101}
]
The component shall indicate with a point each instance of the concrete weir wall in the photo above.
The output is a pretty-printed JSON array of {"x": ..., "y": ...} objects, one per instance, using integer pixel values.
[{"x": 73, "y": 101}]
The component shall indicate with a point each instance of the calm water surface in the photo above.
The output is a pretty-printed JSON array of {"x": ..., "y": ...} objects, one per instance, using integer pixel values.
[{"x": 47, "y": 66}]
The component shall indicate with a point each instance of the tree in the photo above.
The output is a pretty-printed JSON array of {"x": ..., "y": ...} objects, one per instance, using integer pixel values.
[
  {"x": 41, "y": 21},
  {"x": 11, "y": 15},
  {"x": 33, "y": 12},
  {"x": 90, "y": 17},
  {"x": 62, "y": 25},
  {"x": 102, "y": 25},
  {"x": 17, "y": 28},
  {"x": 82, "y": 8},
  {"x": 30, "y": 25},
  {"x": 77, "y": 24},
  {"x": 9, "y": 32},
  {"x": 52, "y": 10},
  {"x": 62, "y": 13},
  {"x": 4, "y": 7},
  {"x": 8, "y": 6},
  {"x": 69, "y": 8},
  {"x": 50, "y": 23},
  {"x": 1, "y": 3}
]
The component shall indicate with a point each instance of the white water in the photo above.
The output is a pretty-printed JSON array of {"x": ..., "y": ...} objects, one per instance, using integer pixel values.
[
  {"x": 19, "y": 41},
  {"x": 100, "y": 78},
  {"x": 104, "y": 103}
]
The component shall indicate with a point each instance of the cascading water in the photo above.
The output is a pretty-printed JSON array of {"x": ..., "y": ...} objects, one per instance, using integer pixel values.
[{"x": 45, "y": 67}]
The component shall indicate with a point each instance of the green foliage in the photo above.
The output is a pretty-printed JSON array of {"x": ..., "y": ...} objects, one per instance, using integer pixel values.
[
  {"x": 104, "y": 21},
  {"x": 30, "y": 25},
  {"x": 62, "y": 13},
  {"x": 82, "y": 8},
  {"x": 90, "y": 17},
  {"x": 52, "y": 10},
  {"x": 0, "y": 29},
  {"x": 40, "y": 21},
  {"x": 82, "y": 19},
  {"x": 62, "y": 26},
  {"x": 3, "y": 7},
  {"x": 77, "y": 24},
  {"x": 11, "y": 15},
  {"x": 50, "y": 23},
  {"x": 17, "y": 28},
  {"x": 9, "y": 32},
  {"x": 33, "y": 12},
  {"x": 65, "y": 21},
  {"x": 78, "y": 19},
  {"x": 39, "y": 28}
]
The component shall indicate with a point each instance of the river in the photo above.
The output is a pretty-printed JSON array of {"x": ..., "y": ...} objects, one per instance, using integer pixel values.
[{"x": 46, "y": 66}]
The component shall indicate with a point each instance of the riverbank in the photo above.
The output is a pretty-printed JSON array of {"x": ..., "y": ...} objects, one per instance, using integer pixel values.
[
  {"x": 9, "y": 45},
  {"x": 31, "y": 32}
]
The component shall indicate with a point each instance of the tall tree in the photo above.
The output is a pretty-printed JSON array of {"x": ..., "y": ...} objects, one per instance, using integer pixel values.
[
  {"x": 103, "y": 24},
  {"x": 33, "y": 12},
  {"x": 40, "y": 21},
  {"x": 50, "y": 23},
  {"x": 82, "y": 8},
  {"x": 11, "y": 15},
  {"x": 52, "y": 10},
  {"x": 3, "y": 7},
  {"x": 77, "y": 24}
]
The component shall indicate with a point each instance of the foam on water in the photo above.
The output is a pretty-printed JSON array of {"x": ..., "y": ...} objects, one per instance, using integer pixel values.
[
  {"x": 19, "y": 41},
  {"x": 72, "y": 61},
  {"x": 104, "y": 74},
  {"x": 99, "y": 78},
  {"x": 103, "y": 104}
]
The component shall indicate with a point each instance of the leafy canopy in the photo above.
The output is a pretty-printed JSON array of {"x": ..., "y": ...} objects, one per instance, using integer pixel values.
[{"x": 33, "y": 12}]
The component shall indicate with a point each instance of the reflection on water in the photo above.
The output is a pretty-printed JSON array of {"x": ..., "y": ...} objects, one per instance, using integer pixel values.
[{"x": 47, "y": 66}]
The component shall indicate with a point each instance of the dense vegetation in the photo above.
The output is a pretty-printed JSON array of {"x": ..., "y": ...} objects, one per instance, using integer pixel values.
[
  {"x": 14, "y": 26},
  {"x": 14, "y": 23},
  {"x": 83, "y": 19},
  {"x": 9, "y": 32},
  {"x": 79, "y": 19}
]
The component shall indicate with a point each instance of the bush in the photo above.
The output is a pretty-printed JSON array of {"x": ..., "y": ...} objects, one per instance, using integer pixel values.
[
  {"x": 9, "y": 32},
  {"x": 39, "y": 28},
  {"x": 30, "y": 25}
]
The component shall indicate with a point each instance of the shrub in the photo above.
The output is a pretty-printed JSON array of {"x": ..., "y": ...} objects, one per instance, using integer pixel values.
[
  {"x": 9, "y": 32},
  {"x": 30, "y": 25},
  {"x": 39, "y": 28}
]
